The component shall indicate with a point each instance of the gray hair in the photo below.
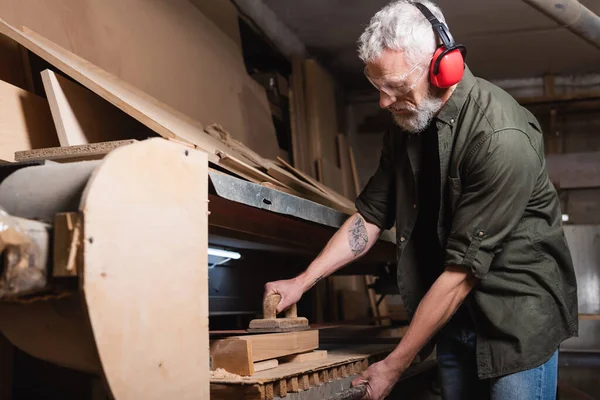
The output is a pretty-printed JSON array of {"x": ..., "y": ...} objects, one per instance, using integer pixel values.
[{"x": 400, "y": 26}]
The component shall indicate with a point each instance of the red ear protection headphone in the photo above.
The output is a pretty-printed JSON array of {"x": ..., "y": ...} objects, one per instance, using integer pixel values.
[{"x": 448, "y": 63}]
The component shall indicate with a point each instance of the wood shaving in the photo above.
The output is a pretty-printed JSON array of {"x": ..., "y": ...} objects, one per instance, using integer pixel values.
[{"x": 220, "y": 373}]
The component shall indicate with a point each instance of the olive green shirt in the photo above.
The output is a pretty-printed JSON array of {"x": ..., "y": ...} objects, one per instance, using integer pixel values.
[{"x": 505, "y": 224}]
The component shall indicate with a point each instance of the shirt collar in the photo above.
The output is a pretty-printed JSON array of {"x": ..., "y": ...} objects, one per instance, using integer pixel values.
[{"x": 450, "y": 110}]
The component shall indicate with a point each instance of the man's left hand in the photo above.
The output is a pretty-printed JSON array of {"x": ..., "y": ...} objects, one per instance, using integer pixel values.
[{"x": 380, "y": 379}]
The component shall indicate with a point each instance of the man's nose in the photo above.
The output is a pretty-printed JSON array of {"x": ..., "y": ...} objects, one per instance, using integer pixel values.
[{"x": 385, "y": 100}]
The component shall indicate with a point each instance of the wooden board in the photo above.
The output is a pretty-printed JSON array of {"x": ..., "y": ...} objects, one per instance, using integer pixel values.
[
  {"x": 72, "y": 153},
  {"x": 246, "y": 171},
  {"x": 11, "y": 67},
  {"x": 274, "y": 345},
  {"x": 303, "y": 357},
  {"x": 167, "y": 49},
  {"x": 331, "y": 194},
  {"x": 574, "y": 170},
  {"x": 330, "y": 175},
  {"x": 25, "y": 122},
  {"x": 232, "y": 355},
  {"x": 145, "y": 274},
  {"x": 321, "y": 111},
  {"x": 300, "y": 139},
  {"x": 157, "y": 116},
  {"x": 82, "y": 117},
  {"x": 348, "y": 189}
]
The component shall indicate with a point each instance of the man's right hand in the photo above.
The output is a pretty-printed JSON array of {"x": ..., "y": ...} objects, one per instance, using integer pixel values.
[{"x": 290, "y": 290}]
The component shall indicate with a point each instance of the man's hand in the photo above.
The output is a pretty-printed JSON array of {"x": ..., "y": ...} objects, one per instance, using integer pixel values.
[
  {"x": 290, "y": 290},
  {"x": 380, "y": 379}
]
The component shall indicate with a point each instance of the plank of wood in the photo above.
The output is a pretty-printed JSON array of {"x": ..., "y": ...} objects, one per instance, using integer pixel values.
[
  {"x": 321, "y": 111},
  {"x": 275, "y": 345},
  {"x": 175, "y": 53},
  {"x": 589, "y": 317},
  {"x": 574, "y": 170},
  {"x": 67, "y": 241},
  {"x": 145, "y": 273},
  {"x": 69, "y": 153},
  {"x": 354, "y": 170},
  {"x": 233, "y": 355},
  {"x": 331, "y": 194},
  {"x": 348, "y": 189},
  {"x": 335, "y": 358},
  {"x": 11, "y": 67},
  {"x": 25, "y": 122},
  {"x": 82, "y": 117},
  {"x": 300, "y": 139},
  {"x": 265, "y": 365},
  {"x": 327, "y": 190},
  {"x": 247, "y": 171},
  {"x": 157, "y": 116},
  {"x": 303, "y": 357},
  {"x": 330, "y": 175},
  {"x": 308, "y": 191},
  {"x": 301, "y": 175}
]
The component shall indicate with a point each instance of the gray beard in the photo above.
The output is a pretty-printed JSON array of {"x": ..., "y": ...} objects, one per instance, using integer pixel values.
[{"x": 421, "y": 117}]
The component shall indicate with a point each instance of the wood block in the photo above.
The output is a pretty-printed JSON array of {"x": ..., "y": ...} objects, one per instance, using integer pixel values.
[
  {"x": 275, "y": 345},
  {"x": 292, "y": 385},
  {"x": 68, "y": 231},
  {"x": 82, "y": 117},
  {"x": 91, "y": 151},
  {"x": 304, "y": 382},
  {"x": 25, "y": 122},
  {"x": 265, "y": 365},
  {"x": 303, "y": 357},
  {"x": 282, "y": 388},
  {"x": 233, "y": 355},
  {"x": 269, "y": 391},
  {"x": 314, "y": 379}
]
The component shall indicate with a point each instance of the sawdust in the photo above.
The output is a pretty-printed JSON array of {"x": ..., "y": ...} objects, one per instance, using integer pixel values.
[{"x": 220, "y": 373}]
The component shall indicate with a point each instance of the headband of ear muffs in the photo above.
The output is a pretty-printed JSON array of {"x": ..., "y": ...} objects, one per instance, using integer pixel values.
[{"x": 448, "y": 63}]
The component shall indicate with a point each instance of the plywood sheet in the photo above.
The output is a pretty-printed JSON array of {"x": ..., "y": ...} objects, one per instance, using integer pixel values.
[
  {"x": 321, "y": 111},
  {"x": 25, "y": 122},
  {"x": 82, "y": 117},
  {"x": 168, "y": 49},
  {"x": 145, "y": 274}
]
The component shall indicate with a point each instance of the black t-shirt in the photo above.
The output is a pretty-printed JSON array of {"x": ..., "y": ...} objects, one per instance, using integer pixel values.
[{"x": 430, "y": 253}]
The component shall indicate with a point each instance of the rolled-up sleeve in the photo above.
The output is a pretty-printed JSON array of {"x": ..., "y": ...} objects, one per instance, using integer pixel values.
[
  {"x": 497, "y": 183},
  {"x": 376, "y": 203}
]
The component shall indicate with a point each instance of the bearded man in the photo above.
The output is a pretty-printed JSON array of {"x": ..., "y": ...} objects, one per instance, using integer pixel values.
[{"x": 483, "y": 265}]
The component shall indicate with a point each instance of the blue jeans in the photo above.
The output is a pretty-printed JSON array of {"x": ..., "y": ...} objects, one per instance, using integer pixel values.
[{"x": 458, "y": 373}]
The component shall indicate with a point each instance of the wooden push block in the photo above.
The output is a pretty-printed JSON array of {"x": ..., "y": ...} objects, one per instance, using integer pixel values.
[{"x": 239, "y": 354}]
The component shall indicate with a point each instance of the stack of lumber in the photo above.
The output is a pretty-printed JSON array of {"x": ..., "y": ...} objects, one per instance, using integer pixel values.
[
  {"x": 89, "y": 107},
  {"x": 329, "y": 353}
]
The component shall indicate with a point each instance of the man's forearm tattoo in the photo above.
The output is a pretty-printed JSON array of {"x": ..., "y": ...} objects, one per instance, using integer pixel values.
[{"x": 357, "y": 236}]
